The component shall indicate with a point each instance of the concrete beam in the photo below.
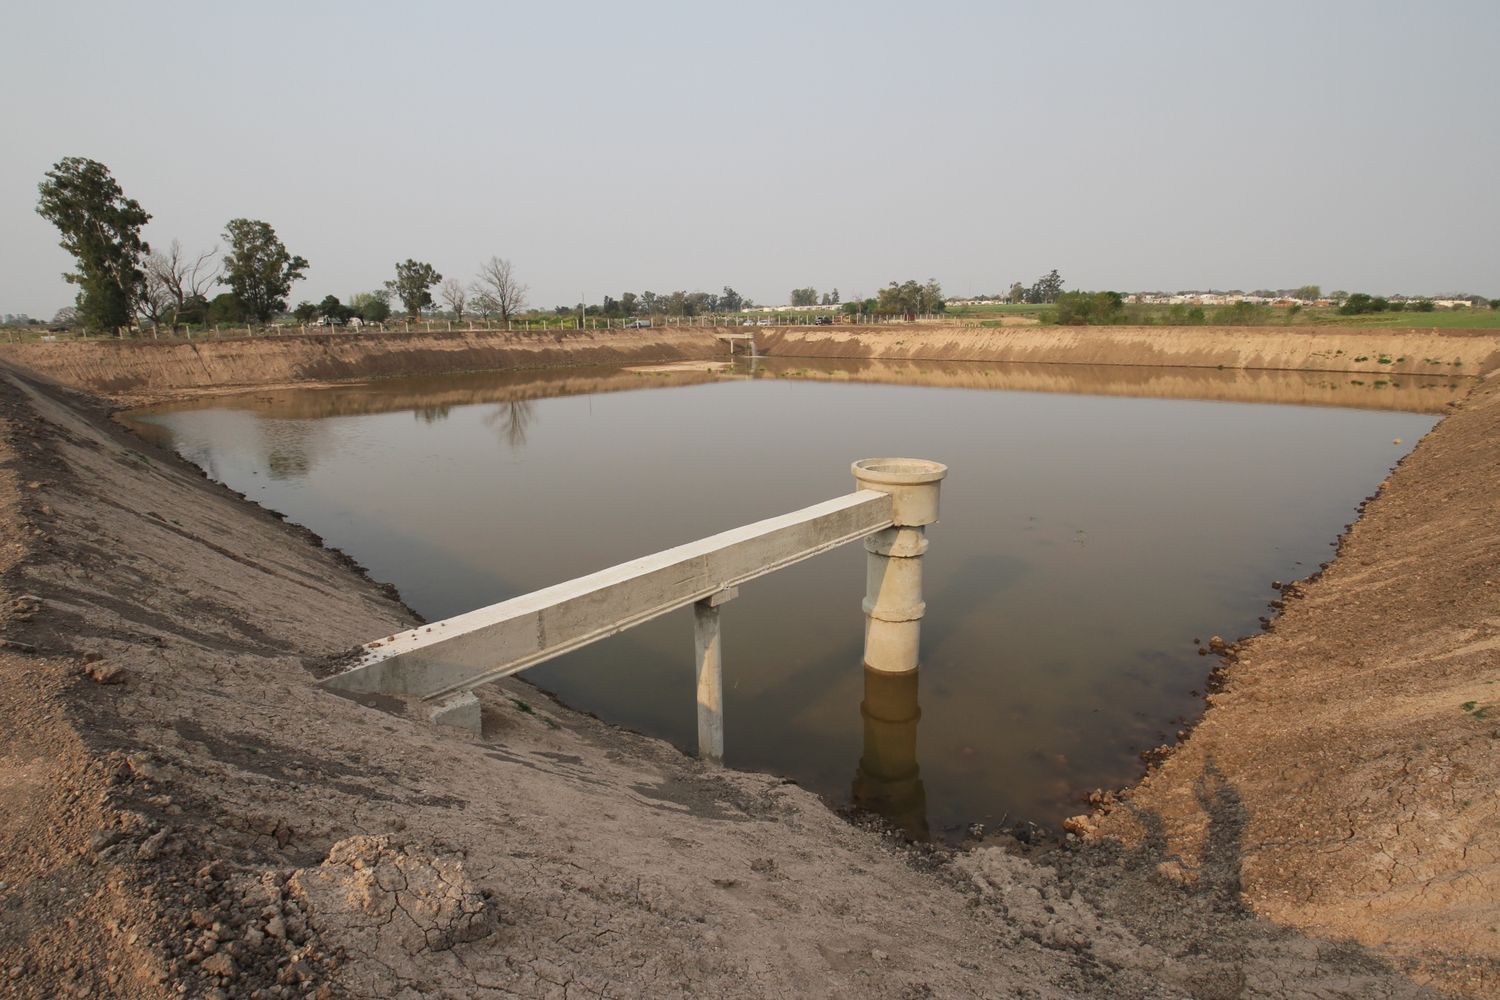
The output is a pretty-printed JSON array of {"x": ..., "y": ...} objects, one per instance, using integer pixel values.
[{"x": 459, "y": 653}]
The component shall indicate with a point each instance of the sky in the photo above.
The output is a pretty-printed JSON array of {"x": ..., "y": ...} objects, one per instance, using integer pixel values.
[{"x": 605, "y": 147}]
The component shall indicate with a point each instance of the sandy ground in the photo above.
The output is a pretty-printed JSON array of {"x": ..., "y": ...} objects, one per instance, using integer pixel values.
[{"x": 183, "y": 812}]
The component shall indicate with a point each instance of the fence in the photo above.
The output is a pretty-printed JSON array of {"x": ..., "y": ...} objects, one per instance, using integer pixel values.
[{"x": 553, "y": 324}]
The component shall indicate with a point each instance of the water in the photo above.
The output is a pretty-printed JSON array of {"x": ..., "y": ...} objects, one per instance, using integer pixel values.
[{"x": 1085, "y": 542}]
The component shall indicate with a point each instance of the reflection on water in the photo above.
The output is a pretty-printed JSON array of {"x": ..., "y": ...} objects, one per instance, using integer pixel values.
[
  {"x": 889, "y": 782},
  {"x": 509, "y": 419},
  {"x": 1086, "y": 541}
]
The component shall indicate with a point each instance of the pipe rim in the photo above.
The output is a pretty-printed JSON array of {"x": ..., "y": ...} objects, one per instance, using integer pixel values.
[{"x": 899, "y": 471}]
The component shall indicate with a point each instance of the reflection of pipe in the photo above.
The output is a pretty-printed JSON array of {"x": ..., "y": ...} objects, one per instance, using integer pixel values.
[{"x": 888, "y": 782}]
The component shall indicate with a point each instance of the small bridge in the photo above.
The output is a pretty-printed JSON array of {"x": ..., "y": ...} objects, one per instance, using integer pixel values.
[{"x": 442, "y": 662}]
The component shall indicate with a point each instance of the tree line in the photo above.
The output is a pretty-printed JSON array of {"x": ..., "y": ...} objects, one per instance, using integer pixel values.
[{"x": 121, "y": 279}]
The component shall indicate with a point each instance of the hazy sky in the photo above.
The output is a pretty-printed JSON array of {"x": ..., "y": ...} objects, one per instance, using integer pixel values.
[{"x": 606, "y": 147}]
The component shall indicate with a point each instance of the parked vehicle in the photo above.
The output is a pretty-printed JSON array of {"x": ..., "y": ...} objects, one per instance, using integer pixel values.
[
  {"x": 638, "y": 324},
  {"x": 823, "y": 321}
]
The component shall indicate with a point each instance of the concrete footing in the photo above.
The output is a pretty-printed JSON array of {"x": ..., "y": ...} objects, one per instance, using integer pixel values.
[{"x": 459, "y": 710}]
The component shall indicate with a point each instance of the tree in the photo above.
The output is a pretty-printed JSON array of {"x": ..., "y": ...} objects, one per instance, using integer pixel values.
[
  {"x": 455, "y": 295},
  {"x": 497, "y": 282},
  {"x": 372, "y": 307},
  {"x": 67, "y": 316},
  {"x": 1047, "y": 288},
  {"x": 225, "y": 308},
  {"x": 804, "y": 296},
  {"x": 833, "y": 297},
  {"x": 1017, "y": 293},
  {"x": 175, "y": 279},
  {"x": 305, "y": 312},
  {"x": 1308, "y": 293},
  {"x": 332, "y": 309},
  {"x": 731, "y": 301},
  {"x": 411, "y": 284},
  {"x": 1083, "y": 308},
  {"x": 930, "y": 298},
  {"x": 101, "y": 228},
  {"x": 258, "y": 269}
]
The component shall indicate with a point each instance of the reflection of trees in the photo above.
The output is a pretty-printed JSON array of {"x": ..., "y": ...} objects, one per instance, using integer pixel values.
[
  {"x": 431, "y": 414},
  {"x": 510, "y": 420},
  {"x": 289, "y": 446},
  {"x": 287, "y": 463}
]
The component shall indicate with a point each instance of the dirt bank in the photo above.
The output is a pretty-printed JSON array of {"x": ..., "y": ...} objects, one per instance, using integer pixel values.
[
  {"x": 137, "y": 371},
  {"x": 1350, "y": 759},
  {"x": 183, "y": 811},
  {"x": 134, "y": 372},
  {"x": 1331, "y": 349}
]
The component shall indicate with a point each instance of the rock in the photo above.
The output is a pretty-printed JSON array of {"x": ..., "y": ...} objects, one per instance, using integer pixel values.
[
  {"x": 276, "y": 927},
  {"x": 106, "y": 673},
  {"x": 219, "y": 964},
  {"x": 1216, "y": 643},
  {"x": 440, "y": 905},
  {"x": 1083, "y": 826},
  {"x": 102, "y": 839},
  {"x": 150, "y": 848}
]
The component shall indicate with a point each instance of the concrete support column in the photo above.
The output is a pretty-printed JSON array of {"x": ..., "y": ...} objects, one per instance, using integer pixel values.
[
  {"x": 893, "y": 602},
  {"x": 709, "y": 659}
]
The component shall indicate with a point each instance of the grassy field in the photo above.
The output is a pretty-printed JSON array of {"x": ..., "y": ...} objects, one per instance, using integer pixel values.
[{"x": 1154, "y": 315}]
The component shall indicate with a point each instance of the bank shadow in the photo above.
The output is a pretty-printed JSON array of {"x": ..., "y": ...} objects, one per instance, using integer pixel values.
[{"x": 1187, "y": 898}]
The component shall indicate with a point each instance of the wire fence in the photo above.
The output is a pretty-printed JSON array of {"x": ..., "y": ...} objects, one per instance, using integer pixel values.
[{"x": 533, "y": 325}]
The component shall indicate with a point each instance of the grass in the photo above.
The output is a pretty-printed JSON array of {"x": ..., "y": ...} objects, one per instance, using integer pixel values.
[{"x": 1156, "y": 315}]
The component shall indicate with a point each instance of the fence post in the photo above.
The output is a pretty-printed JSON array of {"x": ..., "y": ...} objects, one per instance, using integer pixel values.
[{"x": 893, "y": 602}]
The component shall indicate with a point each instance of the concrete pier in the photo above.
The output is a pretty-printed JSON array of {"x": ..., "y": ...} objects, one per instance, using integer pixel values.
[{"x": 893, "y": 602}]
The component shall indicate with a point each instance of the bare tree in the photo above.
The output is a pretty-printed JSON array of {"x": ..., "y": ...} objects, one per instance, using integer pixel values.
[
  {"x": 456, "y": 296},
  {"x": 497, "y": 282},
  {"x": 173, "y": 278}
]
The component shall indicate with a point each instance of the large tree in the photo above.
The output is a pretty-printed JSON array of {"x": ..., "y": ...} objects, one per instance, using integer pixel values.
[
  {"x": 101, "y": 228},
  {"x": 499, "y": 288},
  {"x": 258, "y": 269},
  {"x": 411, "y": 285}
]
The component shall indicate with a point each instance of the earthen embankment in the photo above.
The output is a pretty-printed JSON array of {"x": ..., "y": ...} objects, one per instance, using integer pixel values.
[
  {"x": 1312, "y": 348},
  {"x": 136, "y": 370}
]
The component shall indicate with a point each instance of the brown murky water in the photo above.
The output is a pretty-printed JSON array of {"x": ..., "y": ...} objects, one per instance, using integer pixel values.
[{"x": 1086, "y": 541}]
